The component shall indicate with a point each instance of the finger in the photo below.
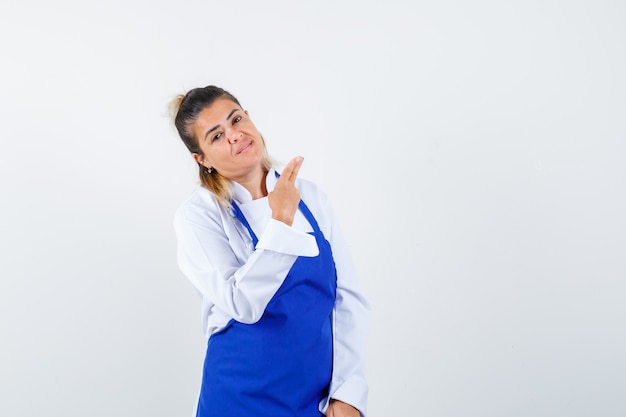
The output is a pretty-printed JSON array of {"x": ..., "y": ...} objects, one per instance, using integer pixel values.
[
  {"x": 296, "y": 168},
  {"x": 292, "y": 168}
]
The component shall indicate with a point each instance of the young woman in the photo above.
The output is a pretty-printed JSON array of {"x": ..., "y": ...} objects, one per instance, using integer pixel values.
[{"x": 282, "y": 307}]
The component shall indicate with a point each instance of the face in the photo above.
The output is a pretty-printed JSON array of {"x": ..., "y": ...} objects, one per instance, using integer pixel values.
[{"x": 230, "y": 142}]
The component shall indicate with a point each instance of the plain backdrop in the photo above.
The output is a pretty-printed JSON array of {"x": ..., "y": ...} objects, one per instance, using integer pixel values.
[{"x": 474, "y": 152}]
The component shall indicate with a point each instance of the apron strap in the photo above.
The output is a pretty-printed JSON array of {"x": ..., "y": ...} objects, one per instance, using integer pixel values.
[
  {"x": 303, "y": 208},
  {"x": 239, "y": 215}
]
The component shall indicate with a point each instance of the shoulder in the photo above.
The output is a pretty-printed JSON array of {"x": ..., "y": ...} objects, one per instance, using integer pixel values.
[
  {"x": 200, "y": 207},
  {"x": 310, "y": 190}
]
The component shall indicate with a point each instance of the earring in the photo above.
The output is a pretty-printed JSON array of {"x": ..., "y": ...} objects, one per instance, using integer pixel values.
[{"x": 208, "y": 170}]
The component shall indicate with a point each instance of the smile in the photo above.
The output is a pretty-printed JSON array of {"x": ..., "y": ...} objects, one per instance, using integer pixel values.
[{"x": 244, "y": 147}]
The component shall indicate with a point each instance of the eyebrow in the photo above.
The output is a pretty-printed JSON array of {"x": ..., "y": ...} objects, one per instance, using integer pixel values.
[{"x": 216, "y": 126}]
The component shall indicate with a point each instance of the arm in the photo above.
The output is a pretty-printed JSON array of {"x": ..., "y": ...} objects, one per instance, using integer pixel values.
[
  {"x": 351, "y": 321},
  {"x": 238, "y": 282},
  {"x": 241, "y": 288}
]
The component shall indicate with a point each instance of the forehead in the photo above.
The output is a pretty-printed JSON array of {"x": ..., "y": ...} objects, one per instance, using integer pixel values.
[
  {"x": 218, "y": 111},
  {"x": 214, "y": 115}
]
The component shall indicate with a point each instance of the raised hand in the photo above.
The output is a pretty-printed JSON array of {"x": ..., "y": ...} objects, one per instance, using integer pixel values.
[{"x": 285, "y": 197}]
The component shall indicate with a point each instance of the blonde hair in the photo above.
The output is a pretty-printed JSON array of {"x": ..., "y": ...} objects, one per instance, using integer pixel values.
[{"x": 184, "y": 110}]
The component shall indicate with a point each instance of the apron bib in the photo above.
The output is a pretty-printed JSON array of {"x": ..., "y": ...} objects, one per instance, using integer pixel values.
[{"x": 280, "y": 366}]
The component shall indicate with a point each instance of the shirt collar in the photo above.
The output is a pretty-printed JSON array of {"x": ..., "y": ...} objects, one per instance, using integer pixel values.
[{"x": 242, "y": 196}]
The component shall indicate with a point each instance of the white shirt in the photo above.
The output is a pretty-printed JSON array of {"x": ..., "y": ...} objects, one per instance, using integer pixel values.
[{"x": 235, "y": 281}]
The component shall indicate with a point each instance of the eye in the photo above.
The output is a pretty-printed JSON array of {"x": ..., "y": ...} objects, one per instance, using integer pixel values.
[
  {"x": 237, "y": 119},
  {"x": 216, "y": 137}
]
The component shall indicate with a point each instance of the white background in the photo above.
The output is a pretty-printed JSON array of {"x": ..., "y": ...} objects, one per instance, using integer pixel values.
[{"x": 474, "y": 152}]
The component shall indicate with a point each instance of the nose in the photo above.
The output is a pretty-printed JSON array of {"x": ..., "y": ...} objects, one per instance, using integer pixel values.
[{"x": 234, "y": 137}]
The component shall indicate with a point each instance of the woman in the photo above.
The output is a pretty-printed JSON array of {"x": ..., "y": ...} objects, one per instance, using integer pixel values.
[{"x": 281, "y": 304}]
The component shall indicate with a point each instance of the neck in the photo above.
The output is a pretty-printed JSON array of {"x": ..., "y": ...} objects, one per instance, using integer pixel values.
[{"x": 255, "y": 184}]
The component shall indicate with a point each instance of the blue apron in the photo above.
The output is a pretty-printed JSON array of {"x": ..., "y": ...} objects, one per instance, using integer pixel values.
[{"x": 281, "y": 365}]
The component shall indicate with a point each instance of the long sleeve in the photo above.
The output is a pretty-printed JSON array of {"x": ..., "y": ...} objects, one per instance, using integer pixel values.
[
  {"x": 239, "y": 287},
  {"x": 351, "y": 322}
]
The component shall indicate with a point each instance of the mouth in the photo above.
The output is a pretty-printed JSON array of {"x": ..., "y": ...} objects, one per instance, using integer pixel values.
[{"x": 243, "y": 148}]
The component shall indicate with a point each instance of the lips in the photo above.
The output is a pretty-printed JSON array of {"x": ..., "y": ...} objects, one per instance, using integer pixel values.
[{"x": 243, "y": 147}]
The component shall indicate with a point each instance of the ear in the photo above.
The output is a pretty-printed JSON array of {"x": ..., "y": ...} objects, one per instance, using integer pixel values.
[
  {"x": 198, "y": 158},
  {"x": 246, "y": 112}
]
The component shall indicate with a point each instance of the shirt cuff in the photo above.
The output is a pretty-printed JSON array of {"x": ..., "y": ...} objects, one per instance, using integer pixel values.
[
  {"x": 353, "y": 392},
  {"x": 279, "y": 237}
]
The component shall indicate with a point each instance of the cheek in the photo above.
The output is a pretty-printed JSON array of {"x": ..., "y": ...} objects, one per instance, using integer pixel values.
[{"x": 218, "y": 152}]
